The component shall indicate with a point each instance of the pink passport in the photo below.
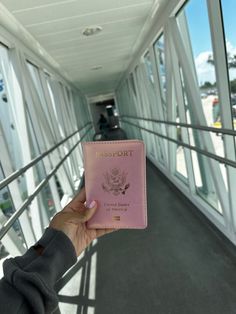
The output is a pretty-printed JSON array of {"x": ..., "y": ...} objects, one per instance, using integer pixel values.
[{"x": 115, "y": 176}]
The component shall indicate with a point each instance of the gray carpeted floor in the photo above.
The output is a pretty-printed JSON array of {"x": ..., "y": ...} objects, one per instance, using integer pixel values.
[{"x": 179, "y": 265}]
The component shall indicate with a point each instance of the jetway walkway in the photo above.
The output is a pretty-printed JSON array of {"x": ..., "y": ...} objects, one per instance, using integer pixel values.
[
  {"x": 180, "y": 264},
  {"x": 168, "y": 69}
]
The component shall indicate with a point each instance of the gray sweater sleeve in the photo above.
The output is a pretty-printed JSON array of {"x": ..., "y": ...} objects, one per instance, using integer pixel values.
[{"x": 28, "y": 283}]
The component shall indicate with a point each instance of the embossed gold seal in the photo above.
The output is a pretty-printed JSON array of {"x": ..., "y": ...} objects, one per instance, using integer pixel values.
[{"x": 115, "y": 181}]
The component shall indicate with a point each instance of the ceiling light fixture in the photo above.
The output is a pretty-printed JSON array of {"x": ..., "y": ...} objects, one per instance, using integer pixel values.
[{"x": 92, "y": 30}]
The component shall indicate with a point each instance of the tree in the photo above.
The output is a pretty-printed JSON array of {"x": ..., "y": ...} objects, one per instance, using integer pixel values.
[
  {"x": 233, "y": 86},
  {"x": 231, "y": 60},
  {"x": 207, "y": 85}
]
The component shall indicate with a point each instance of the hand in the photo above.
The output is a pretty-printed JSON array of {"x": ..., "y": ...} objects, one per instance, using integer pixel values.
[{"x": 72, "y": 221}]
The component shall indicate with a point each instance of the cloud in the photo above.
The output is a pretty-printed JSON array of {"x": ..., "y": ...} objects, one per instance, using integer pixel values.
[
  {"x": 206, "y": 71},
  {"x": 230, "y": 48}
]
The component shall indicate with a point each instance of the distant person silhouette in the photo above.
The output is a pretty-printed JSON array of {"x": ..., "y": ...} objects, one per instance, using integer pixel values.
[{"x": 103, "y": 124}]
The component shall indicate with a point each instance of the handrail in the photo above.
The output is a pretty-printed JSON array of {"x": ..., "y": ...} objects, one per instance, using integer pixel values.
[
  {"x": 8, "y": 224},
  {"x": 34, "y": 161},
  {"x": 199, "y": 150},
  {"x": 186, "y": 125}
]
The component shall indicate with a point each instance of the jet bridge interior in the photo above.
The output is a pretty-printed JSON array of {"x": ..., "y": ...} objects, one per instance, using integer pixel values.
[{"x": 162, "y": 71}]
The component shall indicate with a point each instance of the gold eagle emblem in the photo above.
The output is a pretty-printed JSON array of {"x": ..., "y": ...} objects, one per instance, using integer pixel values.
[{"x": 115, "y": 181}]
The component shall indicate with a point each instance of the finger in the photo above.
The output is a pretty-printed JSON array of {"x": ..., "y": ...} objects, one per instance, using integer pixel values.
[
  {"x": 82, "y": 216},
  {"x": 81, "y": 196},
  {"x": 90, "y": 211},
  {"x": 101, "y": 232},
  {"x": 77, "y": 202}
]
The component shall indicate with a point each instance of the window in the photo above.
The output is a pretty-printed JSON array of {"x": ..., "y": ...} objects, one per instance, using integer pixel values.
[
  {"x": 205, "y": 107},
  {"x": 228, "y": 9},
  {"x": 159, "y": 48}
]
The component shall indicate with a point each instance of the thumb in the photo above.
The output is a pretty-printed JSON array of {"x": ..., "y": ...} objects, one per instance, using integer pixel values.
[{"x": 90, "y": 211}]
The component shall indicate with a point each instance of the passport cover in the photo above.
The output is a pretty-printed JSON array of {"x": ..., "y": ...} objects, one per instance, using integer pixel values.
[{"x": 115, "y": 177}]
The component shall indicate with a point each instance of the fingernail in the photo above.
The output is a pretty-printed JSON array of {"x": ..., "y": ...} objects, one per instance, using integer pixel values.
[{"x": 92, "y": 204}]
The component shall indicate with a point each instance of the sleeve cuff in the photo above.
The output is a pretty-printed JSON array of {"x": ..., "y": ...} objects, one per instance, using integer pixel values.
[{"x": 57, "y": 257}]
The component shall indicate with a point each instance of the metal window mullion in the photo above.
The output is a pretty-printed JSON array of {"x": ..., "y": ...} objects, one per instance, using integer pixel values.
[
  {"x": 39, "y": 214},
  {"x": 45, "y": 137},
  {"x": 57, "y": 107},
  {"x": 132, "y": 96},
  {"x": 73, "y": 124},
  {"x": 53, "y": 119},
  {"x": 134, "y": 102},
  {"x": 159, "y": 106},
  {"x": 72, "y": 110},
  {"x": 69, "y": 110},
  {"x": 20, "y": 111},
  {"x": 65, "y": 181},
  {"x": 124, "y": 107},
  {"x": 181, "y": 105},
  {"x": 39, "y": 123},
  {"x": 15, "y": 191},
  {"x": 5, "y": 155},
  {"x": 146, "y": 102},
  {"x": 8, "y": 224},
  {"x": 138, "y": 88},
  {"x": 170, "y": 103},
  {"x": 77, "y": 104},
  {"x": 221, "y": 68},
  {"x": 139, "y": 99},
  {"x": 36, "y": 112},
  {"x": 158, "y": 75},
  {"x": 141, "y": 89},
  {"x": 147, "y": 94},
  {"x": 62, "y": 114},
  {"x": 62, "y": 107},
  {"x": 144, "y": 78},
  {"x": 68, "y": 125},
  {"x": 11, "y": 240},
  {"x": 48, "y": 104}
]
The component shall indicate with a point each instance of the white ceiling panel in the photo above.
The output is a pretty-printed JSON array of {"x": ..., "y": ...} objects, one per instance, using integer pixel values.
[
  {"x": 92, "y": 47},
  {"x": 28, "y": 4},
  {"x": 84, "y": 55},
  {"x": 75, "y": 10},
  {"x": 113, "y": 29},
  {"x": 32, "y": 5},
  {"x": 58, "y": 26},
  {"x": 79, "y": 24},
  {"x": 74, "y": 60},
  {"x": 80, "y": 43}
]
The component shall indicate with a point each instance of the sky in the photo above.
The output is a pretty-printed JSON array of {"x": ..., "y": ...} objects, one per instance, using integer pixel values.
[{"x": 197, "y": 16}]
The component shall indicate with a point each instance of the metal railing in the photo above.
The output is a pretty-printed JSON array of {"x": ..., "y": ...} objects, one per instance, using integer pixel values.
[
  {"x": 199, "y": 150},
  {"x": 34, "y": 161},
  {"x": 186, "y": 125},
  {"x": 8, "y": 224}
]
